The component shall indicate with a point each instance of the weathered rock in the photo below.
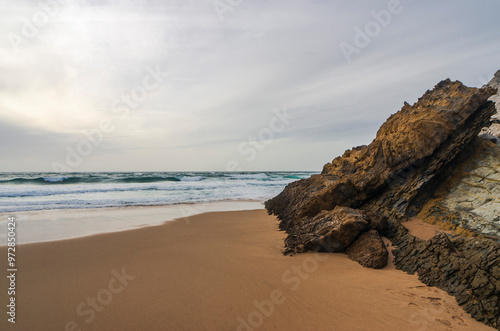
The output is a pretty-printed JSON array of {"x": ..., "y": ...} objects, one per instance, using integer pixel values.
[
  {"x": 470, "y": 196},
  {"x": 492, "y": 132},
  {"x": 401, "y": 166},
  {"x": 331, "y": 231},
  {"x": 369, "y": 250},
  {"x": 414, "y": 152},
  {"x": 378, "y": 222},
  {"x": 467, "y": 268}
]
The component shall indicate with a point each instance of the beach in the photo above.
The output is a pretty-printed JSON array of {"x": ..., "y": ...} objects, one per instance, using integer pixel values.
[
  {"x": 249, "y": 165},
  {"x": 215, "y": 271}
]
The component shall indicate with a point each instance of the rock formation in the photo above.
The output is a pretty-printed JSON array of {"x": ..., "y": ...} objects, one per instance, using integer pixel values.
[
  {"x": 467, "y": 268},
  {"x": 410, "y": 149},
  {"x": 331, "y": 231},
  {"x": 369, "y": 250},
  {"x": 400, "y": 168},
  {"x": 493, "y": 131},
  {"x": 369, "y": 190},
  {"x": 470, "y": 196}
]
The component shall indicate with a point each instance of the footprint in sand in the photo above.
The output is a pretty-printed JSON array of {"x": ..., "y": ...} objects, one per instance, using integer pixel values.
[
  {"x": 424, "y": 288},
  {"x": 459, "y": 320},
  {"x": 408, "y": 294},
  {"x": 443, "y": 321},
  {"x": 434, "y": 301},
  {"x": 414, "y": 305}
]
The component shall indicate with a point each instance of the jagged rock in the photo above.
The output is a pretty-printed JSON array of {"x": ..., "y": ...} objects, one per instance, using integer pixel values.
[
  {"x": 378, "y": 222},
  {"x": 331, "y": 231},
  {"x": 414, "y": 152},
  {"x": 467, "y": 268},
  {"x": 401, "y": 166},
  {"x": 495, "y": 83},
  {"x": 492, "y": 132},
  {"x": 369, "y": 250},
  {"x": 409, "y": 150}
]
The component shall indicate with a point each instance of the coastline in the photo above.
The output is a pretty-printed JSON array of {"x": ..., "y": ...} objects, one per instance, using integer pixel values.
[
  {"x": 219, "y": 271},
  {"x": 60, "y": 224}
]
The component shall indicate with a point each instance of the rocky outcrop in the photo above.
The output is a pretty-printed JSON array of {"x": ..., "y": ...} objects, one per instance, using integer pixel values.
[
  {"x": 369, "y": 250},
  {"x": 400, "y": 168},
  {"x": 492, "y": 132},
  {"x": 330, "y": 231},
  {"x": 467, "y": 268},
  {"x": 470, "y": 196},
  {"x": 369, "y": 190}
]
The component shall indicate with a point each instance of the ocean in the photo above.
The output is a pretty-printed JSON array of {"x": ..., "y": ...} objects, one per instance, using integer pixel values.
[{"x": 41, "y": 191}]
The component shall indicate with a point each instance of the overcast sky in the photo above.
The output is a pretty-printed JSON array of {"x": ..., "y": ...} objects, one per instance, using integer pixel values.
[{"x": 172, "y": 85}]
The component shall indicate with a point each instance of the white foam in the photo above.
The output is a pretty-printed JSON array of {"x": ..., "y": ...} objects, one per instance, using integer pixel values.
[
  {"x": 249, "y": 176},
  {"x": 54, "y": 179},
  {"x": 190, "y": 178}
]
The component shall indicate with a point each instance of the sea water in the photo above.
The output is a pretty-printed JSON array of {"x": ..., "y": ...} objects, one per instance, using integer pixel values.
[{"x": 42, "y": 191}]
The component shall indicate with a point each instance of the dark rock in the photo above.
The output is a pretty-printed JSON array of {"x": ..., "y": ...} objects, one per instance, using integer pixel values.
[
  {"x": 469, "y": 275},
  {"x": 369, "y": 250},
  {"x": 331, "y": 231},
  {"x": 378, "y": 222}
]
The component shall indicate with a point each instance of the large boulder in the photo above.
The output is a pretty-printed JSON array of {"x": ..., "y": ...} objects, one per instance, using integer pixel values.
[
  {"x": 369, "y": 250},
  {"x": 330, "y": 231}
]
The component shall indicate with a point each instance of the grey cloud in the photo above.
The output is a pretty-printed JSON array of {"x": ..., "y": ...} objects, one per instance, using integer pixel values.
[{"x": 226, "y": 76}]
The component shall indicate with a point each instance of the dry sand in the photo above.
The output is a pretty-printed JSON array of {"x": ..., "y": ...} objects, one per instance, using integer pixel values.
[
  {"x": 419, "y": 228},
  {"x": 219, "y": 271}
]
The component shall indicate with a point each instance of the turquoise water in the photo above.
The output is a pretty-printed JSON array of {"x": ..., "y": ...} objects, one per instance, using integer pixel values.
[{"x": 38, "y": 191}]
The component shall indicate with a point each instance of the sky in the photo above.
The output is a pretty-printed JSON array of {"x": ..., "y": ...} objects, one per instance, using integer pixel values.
[{"x": 224, "y": 85}]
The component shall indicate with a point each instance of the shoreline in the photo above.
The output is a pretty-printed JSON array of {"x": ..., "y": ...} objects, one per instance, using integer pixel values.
[
  {"x": 219, "y": 271},
  {"x": 60, "y": 224}
]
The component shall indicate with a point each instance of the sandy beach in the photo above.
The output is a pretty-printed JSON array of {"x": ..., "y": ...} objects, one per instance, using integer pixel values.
[
  {"x": 178, "y": 165},
  {"x": 215, "y": 271}
]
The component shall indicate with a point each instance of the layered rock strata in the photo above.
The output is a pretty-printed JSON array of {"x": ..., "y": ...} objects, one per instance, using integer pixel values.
[
  {"x": 470, "y": 196},
  {"x": 399, "y": 170},
  {"x": 467, "y": 268},
  {"x": 368, "y": 191}
]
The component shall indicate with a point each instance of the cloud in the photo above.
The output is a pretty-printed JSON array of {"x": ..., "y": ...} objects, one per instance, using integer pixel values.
[{"x": 225, "y": 77}]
